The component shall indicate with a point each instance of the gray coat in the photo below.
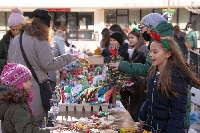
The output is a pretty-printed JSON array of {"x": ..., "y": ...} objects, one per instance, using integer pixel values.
[
  {"x": 42, "y": 59},
  {"x": 58, "y": 48}
]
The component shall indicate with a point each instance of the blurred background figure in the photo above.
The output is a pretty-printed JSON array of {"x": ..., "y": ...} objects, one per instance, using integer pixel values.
[
  {"x": 13, "y": 23},
  {"x": 191, "y": 37},
  {"x": 179, "y": 37}
]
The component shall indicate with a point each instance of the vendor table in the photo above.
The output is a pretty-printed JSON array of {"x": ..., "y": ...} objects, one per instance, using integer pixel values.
[{"x": 67, "y": 117}]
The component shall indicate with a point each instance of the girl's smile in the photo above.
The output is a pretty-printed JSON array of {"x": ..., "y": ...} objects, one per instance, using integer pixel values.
[{"x": 158, "y": 56}]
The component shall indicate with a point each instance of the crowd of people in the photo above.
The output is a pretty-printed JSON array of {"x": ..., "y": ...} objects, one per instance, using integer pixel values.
[{"x": 158, "y": 98}]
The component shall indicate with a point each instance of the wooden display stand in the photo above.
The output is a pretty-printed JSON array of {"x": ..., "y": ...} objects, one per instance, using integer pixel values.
[{"x": 83, "y": 107}]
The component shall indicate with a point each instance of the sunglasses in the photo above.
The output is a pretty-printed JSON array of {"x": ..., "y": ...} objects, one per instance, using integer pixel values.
[{"x": 140, "y": 26}]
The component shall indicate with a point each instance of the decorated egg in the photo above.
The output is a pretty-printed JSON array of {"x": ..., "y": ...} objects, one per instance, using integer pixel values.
[
  {"x": 122, "y": 130},
  {"x": 80, "y": 127}
]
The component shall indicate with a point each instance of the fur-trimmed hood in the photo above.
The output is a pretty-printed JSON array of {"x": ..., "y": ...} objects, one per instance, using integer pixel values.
[{"x": 13, "y": 95}]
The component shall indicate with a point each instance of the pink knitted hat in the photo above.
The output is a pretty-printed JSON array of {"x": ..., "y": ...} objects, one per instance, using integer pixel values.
[
  {"x": 16, "y": 17},
  {"x": 14, "y": 75}
]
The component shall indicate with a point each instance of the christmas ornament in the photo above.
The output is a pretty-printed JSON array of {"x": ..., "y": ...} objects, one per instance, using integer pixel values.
[{"x": 116, "y": 79}]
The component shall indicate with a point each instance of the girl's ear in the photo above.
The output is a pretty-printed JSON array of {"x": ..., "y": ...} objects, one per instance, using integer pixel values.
[{"x": 168, "y": 54}]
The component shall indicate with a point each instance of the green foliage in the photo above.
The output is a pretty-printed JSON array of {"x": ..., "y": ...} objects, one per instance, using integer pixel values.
[{"x": 116, "y": 78}]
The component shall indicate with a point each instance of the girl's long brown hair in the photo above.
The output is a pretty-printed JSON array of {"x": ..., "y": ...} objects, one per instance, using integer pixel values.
[
  {"x": 35, "y": 28},
  {"x": 177, "y": 31},
  {"x": 176, "y": 60},
  {"x": 106, "y": 38},
  {"x": 139, "y": 43},
  {"x": 9, "y": 34}
]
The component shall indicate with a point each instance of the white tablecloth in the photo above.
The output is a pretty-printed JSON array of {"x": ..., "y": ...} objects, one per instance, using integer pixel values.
[{"x": 119, "y": 106}]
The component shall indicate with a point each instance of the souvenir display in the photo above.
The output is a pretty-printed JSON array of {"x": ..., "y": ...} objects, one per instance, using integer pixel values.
[
  {"x": 85, "y": 87},
  {"x": 102, "y": 122}
]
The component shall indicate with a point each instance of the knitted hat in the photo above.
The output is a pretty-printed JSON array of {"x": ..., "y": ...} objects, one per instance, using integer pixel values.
[
  {"x": 153, "y": 18},
  {"x": 16, "y": 17},
  {"x": 118, "y": 37},
  {"x": 43, "y": 15},
  {"x": 14, "y": 75}
]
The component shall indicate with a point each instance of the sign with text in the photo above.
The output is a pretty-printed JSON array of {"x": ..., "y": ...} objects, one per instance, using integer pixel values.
[{"x": 170, "y": 11}]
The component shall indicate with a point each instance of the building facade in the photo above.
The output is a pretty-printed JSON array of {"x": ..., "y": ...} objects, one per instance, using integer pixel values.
[
  {"x": 83, "y": 20},
  {"x": 86, "y": 25}
]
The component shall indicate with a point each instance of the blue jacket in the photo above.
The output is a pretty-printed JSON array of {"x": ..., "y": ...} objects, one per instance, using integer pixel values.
[{"x": 166, "y": 114}]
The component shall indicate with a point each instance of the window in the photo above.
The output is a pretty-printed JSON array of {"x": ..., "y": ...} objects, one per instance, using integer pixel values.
[
  {"x": 72, "y": 26},
  {"x": 86, "y": 25},
  {"x": 146, "y": 11},
  {"x": 122, "y": 18},
  {"x": 119, "y": 16},
  {"x": 134, "y": 15},
  {"x": 110, "y": 16},
  {"x": 59, "y": 19}
]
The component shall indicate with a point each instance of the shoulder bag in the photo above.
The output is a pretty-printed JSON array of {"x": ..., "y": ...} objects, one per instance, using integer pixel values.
[{"x": 45, "y": 89}]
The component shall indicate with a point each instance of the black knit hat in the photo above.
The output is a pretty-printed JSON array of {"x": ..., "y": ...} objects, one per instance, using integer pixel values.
[
  {"x": 118, "y": 37},
  {"x": 43, "y": 15}
]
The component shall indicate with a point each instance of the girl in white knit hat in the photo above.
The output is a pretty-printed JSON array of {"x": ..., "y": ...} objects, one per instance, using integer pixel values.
[{"x": 13, "y": 23}]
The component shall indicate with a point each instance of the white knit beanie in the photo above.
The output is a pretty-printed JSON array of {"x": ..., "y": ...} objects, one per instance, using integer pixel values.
[
  {"x": 153, "y": 18},
  {"x": 16, "y": 17}
]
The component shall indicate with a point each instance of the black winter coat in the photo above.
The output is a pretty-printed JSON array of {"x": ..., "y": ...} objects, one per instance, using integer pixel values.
[
  {"x": 4, "y": 45},
  {"x": 162, "y": 113}
]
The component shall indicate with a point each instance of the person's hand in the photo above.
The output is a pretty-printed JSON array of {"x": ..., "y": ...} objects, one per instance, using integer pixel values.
[
  {"x": 114, "y": 65},
  {"x": 74, "y": 57}
]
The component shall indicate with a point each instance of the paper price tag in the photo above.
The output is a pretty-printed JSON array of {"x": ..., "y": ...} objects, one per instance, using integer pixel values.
[{"x": 77, "y": 89}]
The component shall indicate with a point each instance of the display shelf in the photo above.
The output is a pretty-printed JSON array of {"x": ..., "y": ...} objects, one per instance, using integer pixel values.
[{"x": 83, "y": 107}]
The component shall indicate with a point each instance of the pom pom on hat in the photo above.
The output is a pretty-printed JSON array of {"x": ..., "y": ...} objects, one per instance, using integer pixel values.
[
  {"x": 16, "y": 17},
  {"x": 153, "y": 18},
  {"x": 14, "y": 75},
  {"x": 16, "y": 10},
  {"x": 118, "y": 37}
]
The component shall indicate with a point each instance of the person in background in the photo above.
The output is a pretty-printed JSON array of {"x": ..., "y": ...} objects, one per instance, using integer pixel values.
[
  {"x": 35, "y": 42},
  {"x": 179, "y": 37},
  {"x": 162, "y": 26},
  {"x": 191, "y": 37},
  {"x": 168, "y": 81},
  {"x": 58, "y": 47},
  {"x": 16, "y": 114},
  {"x": 116, "y": 40},
  {"x": 138, "y": 51},
  {"x": 137, "y": 95},
  {"x": 137, "y": 54},
  {"x": 117, "y": 28},
  {"x": 13, "y": 23},
  {"x": 61, "y": 33},
  {"x": 105, "y": 44},
  {"x": 165, "y": 29}
]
